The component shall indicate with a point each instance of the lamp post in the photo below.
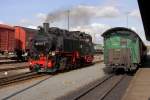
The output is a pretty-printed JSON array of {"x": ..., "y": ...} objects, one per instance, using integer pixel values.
[
  {"x": 68, "y": 14},
  {"x": 127, "y": 19}
]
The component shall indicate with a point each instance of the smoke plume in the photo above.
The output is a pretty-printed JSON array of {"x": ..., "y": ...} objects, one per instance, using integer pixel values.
[{"x": 82, "y": 15}]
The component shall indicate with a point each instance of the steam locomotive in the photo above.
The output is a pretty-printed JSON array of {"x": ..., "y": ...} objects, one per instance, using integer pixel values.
[{"x": 53, "y": 49}]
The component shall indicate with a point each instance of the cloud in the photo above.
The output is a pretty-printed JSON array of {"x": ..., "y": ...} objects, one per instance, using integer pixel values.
[
  {"x": 107, "y": 12},
  {"x": 83, "y": 14},
  {"x": 135, "y": 13},
  {"x": 1, "y": 22},
  {"x": 95, "y": 30},
  {"x": 92, "y": 28},
  {"x": 24, "y": 21},
  {"x": 32, "y": 27},
  {"x": 41, "y": 16}
]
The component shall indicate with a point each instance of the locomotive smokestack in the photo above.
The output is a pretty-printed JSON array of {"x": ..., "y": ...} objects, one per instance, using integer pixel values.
[{"x": 46, "y": 27}]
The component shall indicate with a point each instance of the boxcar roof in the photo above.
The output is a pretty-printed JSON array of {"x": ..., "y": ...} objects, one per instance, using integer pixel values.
[
  {"x": 28, "y": 29},
  {"x": 118, "y": 30},
  {"x": 2, "y": 26}
]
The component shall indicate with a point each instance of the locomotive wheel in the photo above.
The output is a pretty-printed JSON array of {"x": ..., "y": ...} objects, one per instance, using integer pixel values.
[
  {"x": 31, "y": 69},
  {"x": 78, "y": 63},
  {"x": 36, "y": 67},
  {"x": 130, "y": 72},
  {"x": 62, "y": 63}
]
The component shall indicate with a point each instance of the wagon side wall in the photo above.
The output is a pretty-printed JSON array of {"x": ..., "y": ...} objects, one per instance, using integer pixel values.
[{"x": 7, "y": 40}]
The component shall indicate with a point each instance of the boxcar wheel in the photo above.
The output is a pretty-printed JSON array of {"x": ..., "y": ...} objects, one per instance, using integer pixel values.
[
  {"x": 131, "y": 71},
  {"x": 108, "y": 70}
]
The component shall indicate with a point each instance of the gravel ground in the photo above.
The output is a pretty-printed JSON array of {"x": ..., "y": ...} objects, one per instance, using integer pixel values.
[
  {"x": 13, "y": 72},
  {"x": 54, "y": 87}
]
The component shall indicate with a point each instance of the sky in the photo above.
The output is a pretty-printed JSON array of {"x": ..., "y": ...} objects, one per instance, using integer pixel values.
[{"x": 92, "y": 16}]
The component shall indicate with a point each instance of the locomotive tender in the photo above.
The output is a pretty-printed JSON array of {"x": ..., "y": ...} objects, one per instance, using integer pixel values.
[
  {"x": 123, "y": 48},
  {"x": 54, "y": 49}
]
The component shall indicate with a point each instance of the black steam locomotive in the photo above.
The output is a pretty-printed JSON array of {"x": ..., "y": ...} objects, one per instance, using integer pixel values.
[{"x": 54, "y": 49}]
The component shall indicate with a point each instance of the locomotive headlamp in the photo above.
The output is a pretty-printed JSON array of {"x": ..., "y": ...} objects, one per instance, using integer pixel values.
[
  {"x": 81, "y": 46},
  {"x": 53, "y": 53},
  {"x": 50, "y": 53}
]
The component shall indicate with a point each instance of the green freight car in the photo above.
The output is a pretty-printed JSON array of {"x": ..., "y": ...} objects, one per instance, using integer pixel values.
[{"x": 123, "y": 49}]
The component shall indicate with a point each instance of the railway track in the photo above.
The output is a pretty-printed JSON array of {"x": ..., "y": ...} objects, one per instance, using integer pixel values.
[
  {"x": 9, "y": 62},
  {"x": 17, "y": 78},
  {"x": 12, "y": 68},
  {"x": 21, "y": 77},
  {"x": 97, "y": 90},
  {"x": 102, "y": 89}
]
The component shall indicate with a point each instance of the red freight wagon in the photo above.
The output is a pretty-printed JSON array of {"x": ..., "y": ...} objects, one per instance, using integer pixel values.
[
  {"x": 23, "y": 36},
  {"x": 7, "y": 38},
  {"x": 15, "y": 39}
]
